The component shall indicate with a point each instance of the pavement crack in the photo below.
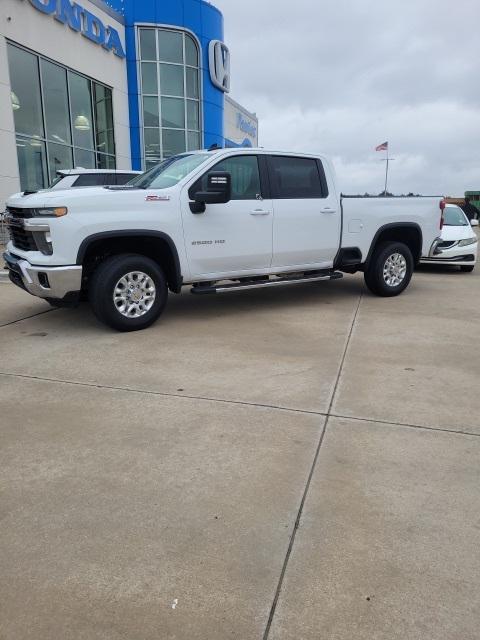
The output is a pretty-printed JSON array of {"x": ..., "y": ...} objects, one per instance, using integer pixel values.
[
  {"x": 310, "y": 475},
  {"x": 163, "y": 394},
  {"x": 406, "y": 425},
  {"x": 34, "y": 315}
]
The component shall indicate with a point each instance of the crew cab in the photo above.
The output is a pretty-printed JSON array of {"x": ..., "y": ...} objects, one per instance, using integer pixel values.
[{"x": 220, "y": 221}]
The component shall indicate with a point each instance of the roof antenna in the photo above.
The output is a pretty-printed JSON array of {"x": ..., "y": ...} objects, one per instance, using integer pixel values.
[{"x": 214, "y": 147}]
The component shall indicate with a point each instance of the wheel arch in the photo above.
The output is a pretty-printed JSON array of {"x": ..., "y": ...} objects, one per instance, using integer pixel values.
[
  {"x": 410, "y": 233},
  {"x": 154, "y": 244}
]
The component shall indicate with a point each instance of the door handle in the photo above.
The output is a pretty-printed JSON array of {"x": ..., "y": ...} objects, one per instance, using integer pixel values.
[
  {"x": 260, "y": 212},
  {"x": 328, "y": 210}
]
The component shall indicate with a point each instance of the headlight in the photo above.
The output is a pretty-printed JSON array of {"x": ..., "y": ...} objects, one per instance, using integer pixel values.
[
  {"x": 467, "y": 241},
  {"x": 51, "y": 212}
]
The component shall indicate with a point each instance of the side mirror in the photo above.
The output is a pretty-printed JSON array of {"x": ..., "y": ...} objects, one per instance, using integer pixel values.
[
  {"x": 219, "y": 191},
  {"x": 474, "y": 222}
]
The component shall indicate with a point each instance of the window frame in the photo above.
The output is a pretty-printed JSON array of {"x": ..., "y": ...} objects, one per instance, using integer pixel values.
[
  {"x": 274, "y": 194},
  {"x": 264, "y": 187},
  {"x": 46, "y": 140},
  {"x": 185, "y": 65}
]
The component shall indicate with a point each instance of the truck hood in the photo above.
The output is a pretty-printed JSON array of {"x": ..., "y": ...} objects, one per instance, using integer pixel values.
[
  {"x": 76, "y": 199},
  {"x": 50, "y": 198}
]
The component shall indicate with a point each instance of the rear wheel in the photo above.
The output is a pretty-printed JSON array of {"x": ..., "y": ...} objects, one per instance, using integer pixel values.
[
  {"x": 468, "y": 268},
  {"x": 128, "y": 292},
  {"x": 390, "y": 269}
]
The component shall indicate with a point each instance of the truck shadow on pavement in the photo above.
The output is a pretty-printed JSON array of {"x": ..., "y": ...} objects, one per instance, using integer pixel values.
[{"x": 278, "y": 300}]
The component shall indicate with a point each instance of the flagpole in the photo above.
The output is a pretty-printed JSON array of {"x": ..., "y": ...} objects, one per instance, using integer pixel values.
[{"x": 386, "y": 175}]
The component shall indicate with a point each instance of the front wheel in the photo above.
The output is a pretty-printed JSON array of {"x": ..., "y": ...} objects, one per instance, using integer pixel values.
[
  {"x": 390, "y": 269},
  {"x": 468, "y": 268},
  {"x": 128, "y": 292}
]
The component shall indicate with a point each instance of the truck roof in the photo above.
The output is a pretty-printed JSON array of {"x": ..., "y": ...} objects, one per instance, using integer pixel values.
[{"x": 80, "y": 171}]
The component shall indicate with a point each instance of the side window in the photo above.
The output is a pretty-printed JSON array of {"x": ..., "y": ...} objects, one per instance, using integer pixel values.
[
  {"x": 295, "y": 178},
  {"x": 111, "y": 179},
  {"x": 89, "y": 180},
  {"x": 123, "y": 178},
  {"x": 245, "y": 177}
]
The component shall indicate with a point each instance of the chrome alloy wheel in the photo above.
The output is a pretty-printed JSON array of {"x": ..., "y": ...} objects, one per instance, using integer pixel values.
[
  {"x": 134, "y": 294},
  {"x": 394, "y": 269}
]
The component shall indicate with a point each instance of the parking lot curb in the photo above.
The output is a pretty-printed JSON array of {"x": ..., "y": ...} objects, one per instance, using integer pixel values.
[{"x": 4, "y": 276}]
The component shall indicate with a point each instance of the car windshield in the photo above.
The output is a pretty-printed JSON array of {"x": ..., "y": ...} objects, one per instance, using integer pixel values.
[
  {"x": 454, "y": 217},
  {"x": 59, "y": 177},
  {"x": 169, "y": 172}
]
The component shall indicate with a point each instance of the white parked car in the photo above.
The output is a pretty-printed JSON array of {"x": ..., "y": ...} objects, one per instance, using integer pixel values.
[
  {"x": 69, "y": 178},
  {"x": 458, "y": 241}
]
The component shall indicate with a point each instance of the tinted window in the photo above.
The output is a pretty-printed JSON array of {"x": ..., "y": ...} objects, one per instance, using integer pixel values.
[
  {"x": 245, "y": 177},
  {"x": 295, "y": 177},
  {"x": 90, "y": 180},
  {"x": 123, "y": 178}
]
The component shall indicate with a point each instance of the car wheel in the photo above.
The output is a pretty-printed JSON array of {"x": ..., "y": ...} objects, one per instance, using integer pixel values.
[
  {"x": 390, "y": 269},
  {"x": 128, "y": 292},
  {"x": 467, "y": 268}
]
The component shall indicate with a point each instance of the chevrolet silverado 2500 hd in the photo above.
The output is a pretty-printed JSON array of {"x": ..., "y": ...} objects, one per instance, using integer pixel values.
[{"x": 220, "y": 221}]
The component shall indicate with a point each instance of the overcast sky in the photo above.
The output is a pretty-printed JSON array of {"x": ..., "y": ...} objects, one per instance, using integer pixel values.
[{"x": 342, "y": 76}]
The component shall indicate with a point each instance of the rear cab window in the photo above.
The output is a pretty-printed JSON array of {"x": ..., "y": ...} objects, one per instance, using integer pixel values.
[{"x": 293, "y": 177}]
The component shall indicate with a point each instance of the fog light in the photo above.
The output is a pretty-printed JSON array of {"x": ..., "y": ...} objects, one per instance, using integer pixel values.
[{"x": 43, "y": 280}]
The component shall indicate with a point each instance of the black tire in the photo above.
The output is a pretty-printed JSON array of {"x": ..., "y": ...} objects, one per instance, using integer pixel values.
[
  {"x": 106, "y": 277},
  {"x": 374, "y": 273},
  {"x": 467, "y": 268}
]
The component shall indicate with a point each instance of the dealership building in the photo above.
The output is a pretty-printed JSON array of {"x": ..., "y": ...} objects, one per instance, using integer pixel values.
[{"x": 111, "y": 84}]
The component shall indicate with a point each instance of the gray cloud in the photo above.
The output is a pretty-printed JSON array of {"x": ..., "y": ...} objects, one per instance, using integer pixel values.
[{"x": 340, "y": 77}]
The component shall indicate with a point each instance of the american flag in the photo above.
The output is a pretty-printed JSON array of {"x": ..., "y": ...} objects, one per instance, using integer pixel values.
[{"x": 382, "y": 147}]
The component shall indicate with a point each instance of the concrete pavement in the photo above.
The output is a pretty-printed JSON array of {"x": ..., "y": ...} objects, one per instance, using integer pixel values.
[{"x": 299, "y": 463}]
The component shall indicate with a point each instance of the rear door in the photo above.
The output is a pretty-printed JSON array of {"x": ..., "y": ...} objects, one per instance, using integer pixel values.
[
  {"x": 306, "y": 228},
  {"x": 231, "y": 238}
]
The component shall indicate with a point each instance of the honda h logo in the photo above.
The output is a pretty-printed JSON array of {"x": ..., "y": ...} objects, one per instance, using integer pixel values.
[{"x": 219, "y": 62}]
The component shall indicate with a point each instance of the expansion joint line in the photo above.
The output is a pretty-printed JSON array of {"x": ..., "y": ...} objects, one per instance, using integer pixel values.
[{"x": 310, "y": 475}]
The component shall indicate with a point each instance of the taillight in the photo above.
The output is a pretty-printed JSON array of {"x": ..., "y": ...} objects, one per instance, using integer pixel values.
[{"x": 442, "y": 209}]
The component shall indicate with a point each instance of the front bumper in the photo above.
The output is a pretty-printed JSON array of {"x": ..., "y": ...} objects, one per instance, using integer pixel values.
[
  {"x": 57, "y": 283},
  {"x": 454, "y": 255}
]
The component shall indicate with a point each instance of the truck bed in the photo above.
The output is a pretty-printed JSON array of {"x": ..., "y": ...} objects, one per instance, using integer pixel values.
[{"x": 364, "y": 217}]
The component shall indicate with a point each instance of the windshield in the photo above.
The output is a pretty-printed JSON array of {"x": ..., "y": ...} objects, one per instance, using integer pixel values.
[
  {"x": 169, "y": 172},
  {"x": 454, "y": 217}
]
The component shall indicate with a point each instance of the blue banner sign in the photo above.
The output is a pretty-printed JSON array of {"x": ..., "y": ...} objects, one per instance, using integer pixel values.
[{"x": 246, "y": 126}]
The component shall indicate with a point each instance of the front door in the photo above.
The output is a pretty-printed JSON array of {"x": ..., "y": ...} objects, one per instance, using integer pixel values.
[
  {"x": 233, "y": 238},
  {"x": 306, "y": 231}
]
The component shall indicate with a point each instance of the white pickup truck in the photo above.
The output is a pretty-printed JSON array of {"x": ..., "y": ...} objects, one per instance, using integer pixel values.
[{"x": 220, "y": 221}]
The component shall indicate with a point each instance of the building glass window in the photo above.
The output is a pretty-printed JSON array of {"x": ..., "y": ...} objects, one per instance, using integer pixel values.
[
  {"x": 55, "y": 91},
  {"x": 25, "y": 92},
  {"x": 62, "y": 119},
  {"x": 81, "y": 103},
  {"x": 32, "y": 162},
  {"x": 169, "y": 70}
]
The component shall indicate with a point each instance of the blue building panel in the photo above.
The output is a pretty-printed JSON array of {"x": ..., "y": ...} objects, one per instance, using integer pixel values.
[{"x": 206, "y": 23}]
